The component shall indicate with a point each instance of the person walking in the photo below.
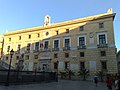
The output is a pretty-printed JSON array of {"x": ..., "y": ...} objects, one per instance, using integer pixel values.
[
  {"x": 109, "y": 83},
  {"x": 96, "y": 80},
  {"x": 116, "y": 83}
]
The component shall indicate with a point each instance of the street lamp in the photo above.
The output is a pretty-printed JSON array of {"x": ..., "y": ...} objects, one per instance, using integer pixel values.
[
  {"x": 8, "y": 75},
  {"x": 57, "y": 71}
]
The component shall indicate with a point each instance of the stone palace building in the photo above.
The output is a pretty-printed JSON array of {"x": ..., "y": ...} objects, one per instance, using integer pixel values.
[{"x": 83, "y": 43}]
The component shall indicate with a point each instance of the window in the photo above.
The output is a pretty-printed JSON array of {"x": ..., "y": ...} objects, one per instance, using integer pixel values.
[
  {"x": 81, "y": 28},
  {"x": 66, "y": 65},
  {"x": 44, "y": 67},
  {"x": 101, "y": 25},
  {"x": 46, "y": 44},
  {"x": 35, "y": 66},
  {"x": 56, "y": 43},
  {"x": 19, "y": 37},
  {"x": 29, "y": 36},
  {"x": 8, "y": 48},
  {"x": 81, "y": 41},
  {"x": 66, "y": 55},
  {"x": 102, "y": 39},
  {"x": 35, "y": 56},
  {"x": 7, "y": 58},
  {"x": 9, "y": 39},
  {"x": 37, "y": 45},
  {"x": 82, "y": 65},
  {"x": 27, "y": 57},
  {"x": 67, "y": 30},
  {"x": 57, "y": 32},
  {"x": 55, "y": 65},
  {"x": 16, "y": 65},
  {"x": 55, "y": 55},
  {"x": 19, "y": 47},
  {"x": 103, "y": 53},
  {"x": 38, "y": 35},
  {"x": 67, "y": 42},
  {"x": 47, "y": 33},
  {"x": 17, "y": 57},
  {"x": 28, "y": 47},
  {"x": 41, "y": 45},
  {"x": 81, "y": 54},
  {"x": 104, "y": 65}
]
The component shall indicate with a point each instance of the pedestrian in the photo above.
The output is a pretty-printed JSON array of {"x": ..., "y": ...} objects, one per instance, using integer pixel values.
[
  {"x": 109, "y": 83},
  {"x": 96, "y": 80},
  {"x": 116, "y": 83}
]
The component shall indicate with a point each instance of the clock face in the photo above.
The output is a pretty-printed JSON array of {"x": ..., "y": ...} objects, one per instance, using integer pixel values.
[
  {"x": 47, "y": 33},
  {"x": 91, "y": 34}
]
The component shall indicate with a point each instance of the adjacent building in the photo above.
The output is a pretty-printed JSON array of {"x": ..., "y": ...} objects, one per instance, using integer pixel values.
[
  {"x": 1, "y": 45},
  {"x": 83, "y": 43},
  {"x": 118, "y": 60}
]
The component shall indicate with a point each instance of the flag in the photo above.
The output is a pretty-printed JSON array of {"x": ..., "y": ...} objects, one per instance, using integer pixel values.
[{"x": 41, "y": 45}]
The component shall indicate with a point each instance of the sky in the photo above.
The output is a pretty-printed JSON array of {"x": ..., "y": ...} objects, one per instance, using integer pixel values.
[{"x": 19, "y": 14}]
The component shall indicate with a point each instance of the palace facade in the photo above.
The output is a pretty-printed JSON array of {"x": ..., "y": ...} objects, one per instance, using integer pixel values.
[{"x": 83, "y": 43}]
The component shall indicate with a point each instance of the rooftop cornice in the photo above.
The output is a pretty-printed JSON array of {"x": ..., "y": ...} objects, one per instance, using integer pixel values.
[{"x": 79, "y": 20}]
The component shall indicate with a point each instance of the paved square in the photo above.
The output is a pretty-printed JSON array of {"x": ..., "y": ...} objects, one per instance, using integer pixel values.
[{"x": 61, "y": 85}]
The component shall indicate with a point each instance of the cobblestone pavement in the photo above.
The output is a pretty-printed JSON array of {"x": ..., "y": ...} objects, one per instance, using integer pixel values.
[{"x": 61, "y": 85}]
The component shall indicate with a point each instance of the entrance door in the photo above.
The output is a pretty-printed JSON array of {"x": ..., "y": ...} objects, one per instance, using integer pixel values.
[{"x": 45, "y": 65}]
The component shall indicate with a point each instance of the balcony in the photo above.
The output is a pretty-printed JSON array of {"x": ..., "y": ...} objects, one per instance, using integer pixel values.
[
  {"x": 81, "y": 47},
  {"x": 35, "y": 51},
  {"x": 66, "y": 48},
  {"x": 27, "y": 51},
  {"x": 55, "y": 49},
  {"x": 17, "y": 52},
  {"x": 102, "y": 45},
  {"x": 45, "y": 49}
]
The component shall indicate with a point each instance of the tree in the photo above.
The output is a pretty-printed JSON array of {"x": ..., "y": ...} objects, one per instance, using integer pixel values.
[
  {"x": 84, "y": 73},
  {"x": 101, "y": 74},
  {"x": 69, "y": 73},
  {"x": 66, "y": 74}
]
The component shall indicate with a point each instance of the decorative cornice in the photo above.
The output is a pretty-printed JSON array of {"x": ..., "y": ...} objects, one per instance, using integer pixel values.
[{"x": 79, "y": 20}]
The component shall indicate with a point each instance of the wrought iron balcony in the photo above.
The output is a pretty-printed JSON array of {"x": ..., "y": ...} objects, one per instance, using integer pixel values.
[
  {"x": 36, "y": 51},
  {"x": 102, "y": 45},
  {"x": 66, "y": 48},
  {"x": 81, "y": 47},
  {"x": 45, "y": 49},
  {"x": 17, "y": 52},
  {"x": 27, "y": 51},
  {"x": 55, "y": 49}
]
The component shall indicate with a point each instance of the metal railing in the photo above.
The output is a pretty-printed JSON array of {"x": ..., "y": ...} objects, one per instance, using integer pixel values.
[
  {"x": 55, "y": 49},
  {"x": 23, "y": 77},
  {"x": 102, "y": 45},
  {"x": 66, "y": 48},
  {"x": 81, "y": 47}
]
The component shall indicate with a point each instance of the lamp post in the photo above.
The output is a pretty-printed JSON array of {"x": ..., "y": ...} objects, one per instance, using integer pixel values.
[
  {"x": 9, "y": 69},
  {"x": 57, "y": 71}
]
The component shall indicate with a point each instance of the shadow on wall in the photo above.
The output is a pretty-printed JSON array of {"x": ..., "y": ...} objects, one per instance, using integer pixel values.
[{"x": 42, "y": 54}]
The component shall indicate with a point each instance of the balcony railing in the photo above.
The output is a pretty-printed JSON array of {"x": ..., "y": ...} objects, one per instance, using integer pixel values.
[
  {"x": 102, "y": 45},
  {"x": 17, "y": 52},
  {"x": 81, "y": 47},
  {"x": 45, "y": 49},
  {"x": 66, "y": 48},
  {"x": 35, "y": 51},
  {"x": 55, "y": 49},
  {"x": 27, "y": 51}
]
